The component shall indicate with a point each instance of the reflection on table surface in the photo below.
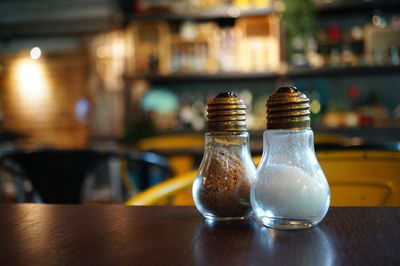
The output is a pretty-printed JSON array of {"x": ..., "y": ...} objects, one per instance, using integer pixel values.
[{"x": 265, "y": 246}]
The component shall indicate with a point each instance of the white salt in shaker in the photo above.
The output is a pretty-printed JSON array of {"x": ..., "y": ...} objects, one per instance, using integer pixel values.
[{"x": 290, "y": 190}]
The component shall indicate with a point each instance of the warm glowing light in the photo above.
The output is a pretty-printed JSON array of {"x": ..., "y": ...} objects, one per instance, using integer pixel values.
[
  {"x": 36, "y": 53},
  {"x": 315, "y": 107},
  {"x": 31, "y": 81},
  {"x": 101, "y": 52},
  {"x": 234, "y": 12}
]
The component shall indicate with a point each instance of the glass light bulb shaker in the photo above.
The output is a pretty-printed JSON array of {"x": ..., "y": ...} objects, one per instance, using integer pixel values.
[
  {"x": 221, "y": 190},
  {"x": 290, "y": 190}
]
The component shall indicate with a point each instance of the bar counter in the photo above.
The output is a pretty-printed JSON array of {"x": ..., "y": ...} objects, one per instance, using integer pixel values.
[{"x": 39, "y": 234}]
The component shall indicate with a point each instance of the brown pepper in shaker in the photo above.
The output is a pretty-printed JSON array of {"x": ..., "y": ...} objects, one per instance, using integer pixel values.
[{"x": 221, "y": 190}]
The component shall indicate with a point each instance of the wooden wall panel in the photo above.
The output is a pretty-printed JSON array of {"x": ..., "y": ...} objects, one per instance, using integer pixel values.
[{"x": 45, "y": 116}]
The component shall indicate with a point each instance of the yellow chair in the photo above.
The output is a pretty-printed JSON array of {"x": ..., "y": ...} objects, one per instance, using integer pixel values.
[
  {"x": 171, "y": 142},
  {"x": 356, "y": 178},
  {"x": 362, "y": 178},
  {"x": 159, "y": 193},
  {"x": 329, "y": 138},
  {"x": 180, "y": 161}
]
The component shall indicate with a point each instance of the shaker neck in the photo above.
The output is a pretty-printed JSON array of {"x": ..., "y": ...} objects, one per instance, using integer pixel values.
[
  {"x": 239, "y": 134},
  {"x": 288, "y": 139},
  {"x": 227, "y": 138}
]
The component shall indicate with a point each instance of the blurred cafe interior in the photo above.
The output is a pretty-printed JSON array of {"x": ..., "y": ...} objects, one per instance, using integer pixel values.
[{"x": 105, "y": 101}]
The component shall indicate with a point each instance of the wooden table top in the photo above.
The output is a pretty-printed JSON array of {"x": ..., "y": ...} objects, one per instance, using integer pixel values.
[{"x": 120, "y": 235}]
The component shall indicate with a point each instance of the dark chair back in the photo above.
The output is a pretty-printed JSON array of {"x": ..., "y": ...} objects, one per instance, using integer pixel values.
[
  {"x": 146, "y": 169},
  {"x": 57, "y": 175}
]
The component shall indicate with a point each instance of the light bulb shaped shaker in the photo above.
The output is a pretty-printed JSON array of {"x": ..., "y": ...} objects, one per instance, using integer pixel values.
[
  {"x": 221, "y": 189},
  {"x": 290, "y": 190}
]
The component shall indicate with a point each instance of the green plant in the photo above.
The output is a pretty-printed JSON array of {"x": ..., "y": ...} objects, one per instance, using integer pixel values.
[{"x": 298, "y": 21}]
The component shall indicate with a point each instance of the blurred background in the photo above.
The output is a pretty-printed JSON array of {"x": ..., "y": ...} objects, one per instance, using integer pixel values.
[{"x": 121, "y": 76}]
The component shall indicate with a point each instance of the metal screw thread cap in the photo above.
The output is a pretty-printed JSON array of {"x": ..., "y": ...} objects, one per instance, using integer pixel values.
[
  {"x": 288, "y": 108},
  {"x": 226, "y": 113}
]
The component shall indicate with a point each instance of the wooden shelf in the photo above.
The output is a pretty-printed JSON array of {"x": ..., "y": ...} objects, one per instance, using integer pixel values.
[
  {"x": 342, "y": 71},
  {"x": 335, "y": 7},
  {"x": 342, "y": 43},
  {"x": 293, "y": 73},
  {"x": 338, "y": 7},
  {"x": 206, "y": 14},
  {"x": 195, "y": 77}
]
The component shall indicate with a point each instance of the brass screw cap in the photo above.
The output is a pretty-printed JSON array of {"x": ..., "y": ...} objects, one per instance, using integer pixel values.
[
  {"x": 288, "y": 108},
  {"x": 226, "y": 113}
]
